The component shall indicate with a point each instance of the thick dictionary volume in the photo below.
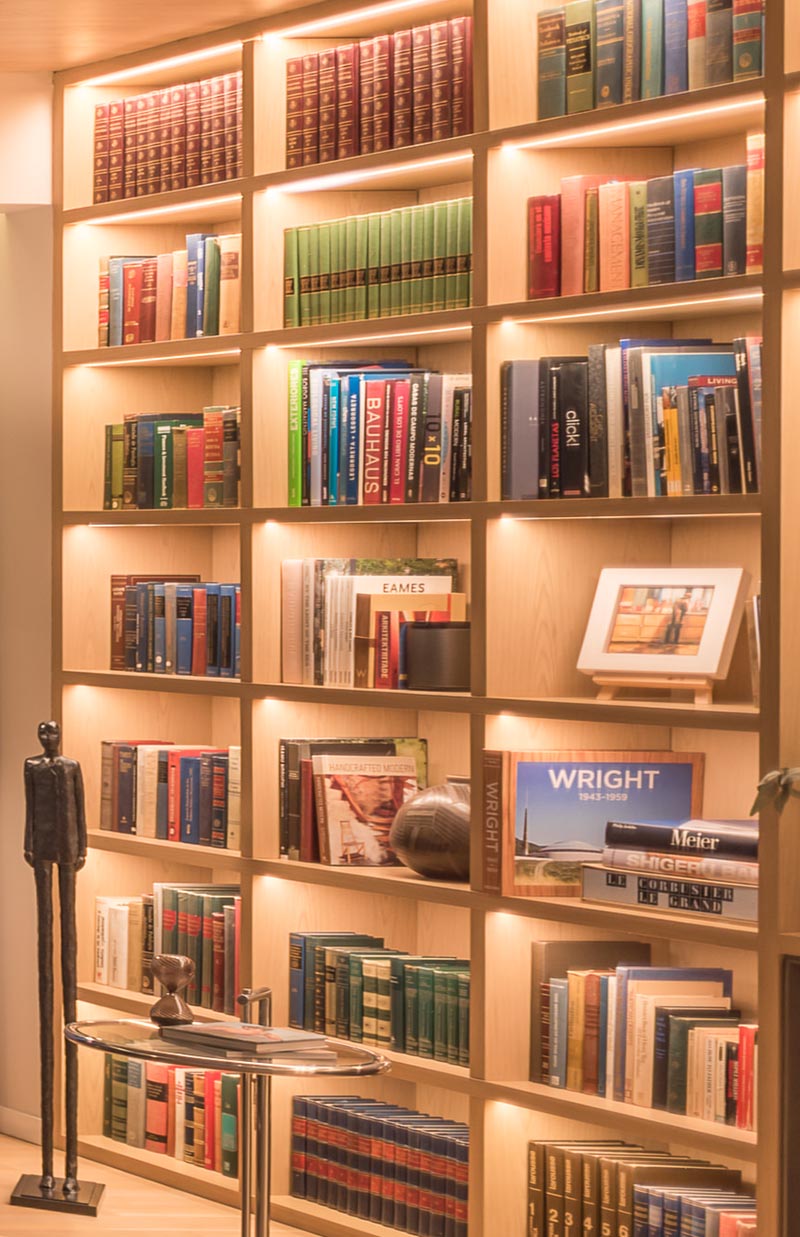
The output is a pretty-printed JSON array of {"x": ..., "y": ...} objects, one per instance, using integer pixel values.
[
  {"x": 661, "y": 230},
  {"x": 610, "y": 52},
  {"x": 708, "y": 236},
  {"x": 676, "y": 66},
  {"x": 580, "y": 16},
  {"x": 734, "y": 220},
  {"x": 544, "y": 235},
  {"x": 748, "y": 37},
  {"x": 552, "y": 63}
]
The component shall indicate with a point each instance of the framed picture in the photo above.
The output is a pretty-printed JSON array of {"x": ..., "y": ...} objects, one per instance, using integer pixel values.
[{"x": 652, "y": 621}]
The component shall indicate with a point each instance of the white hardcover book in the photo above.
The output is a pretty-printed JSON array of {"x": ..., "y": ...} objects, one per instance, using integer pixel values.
[
  {"x": 721, "y": 1077},
  {"x": 611, "y": 1027},
  {"x": 234, "y": 838},
  {"x": 309, "y": 572},
  {"x": 645, "y": 1030},
  {"x": 118, "y": 945},
  {"x": 146, "y": 788},
  {"x": 180, "y": 1112},
  {"x": 292, "y": 620},
  {"x": 230, "y": 284},
  {"x": 137, "y": 1103},
  {"x": 101, "y": 939},
  {"x": 658, "y": 987},
  {"x": 615, "y": 429},
  {"x": 449, "y": 384},
  {"x": 135, "y": 917}
]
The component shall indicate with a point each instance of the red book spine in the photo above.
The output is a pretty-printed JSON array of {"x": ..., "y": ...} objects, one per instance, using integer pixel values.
[
  {"x": 708, "y": 254},
  {"x": 141, "y": 145},
  {"x": 374, "y": 405},
  {"x": 421, "y": 78},
  {"x": 383, "y": 56},
  {"x": 156, "y": 1107},
  {"x": 116, "y": 150},
  {"x": 131, "y": 302},
  {"x": 173, "y": 795},
  {"x": 152, "y": 152},
  {"x": 310, "y": 108},
  {"x": 441, "y": 82},
  {"x": 218, "y": 169},
  {"x": 309, "y": 840},
  {"x": 294, "y": 112},
  {"x": 544, "y": 236},
  {"x": 147, "y": 310},
  {"x": 461, "y": 68},
  {"x": 237, "y": 164},
  {"x": 192, "y": 135},
  {"x": 199, "y": 630},
  {"x": 402, "y": 107},
  {"x": 177, "y": 138},
  {"x": 383, "y": 677},
  {"x": 395, "y": 619},
  {"x": 327, "y": 105},
  {"x": 195, "y": 460},
  {"x": 213, "y": 432},
  {"x": 210, "y": 1118},
  {"x": 206, "y": 135},
  {"x": 386, "y": 451},
  {"x": 129, "y": 147},
  {"x": 218, "y": 962},
  {"x": 366, "y": 57},
  {"x": 347, "y": 101},
  {"x": 231, "y": 112},
  {"x": 164, "y": 141},
  {"x": 399, "y": 456},
  {"x": 101, "y": 153}
]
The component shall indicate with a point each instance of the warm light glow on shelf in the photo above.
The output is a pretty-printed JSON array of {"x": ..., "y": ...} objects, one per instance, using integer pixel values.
[
  {"x": 739, "y": 299},
  {"x": 339, "y": 179},
  {"x": 158, "y": 212},
  {"x": 383, "y": 337},
  {"x": 162, "y": 360},
  {"x": 330, "y": 23},
  {"x": 663, "y": 120},
  {"x": 155, "y": 66}
]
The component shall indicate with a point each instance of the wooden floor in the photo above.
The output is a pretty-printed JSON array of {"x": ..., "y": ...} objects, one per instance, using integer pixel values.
[{"x": 130, "y": 1206}]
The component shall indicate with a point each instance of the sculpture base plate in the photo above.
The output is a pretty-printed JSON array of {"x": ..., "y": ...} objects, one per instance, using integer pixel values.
[{"x": 85, "y": 1203}]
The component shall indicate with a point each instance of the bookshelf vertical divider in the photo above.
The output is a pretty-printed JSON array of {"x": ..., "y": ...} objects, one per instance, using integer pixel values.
[{"x": 524, "y": 591}]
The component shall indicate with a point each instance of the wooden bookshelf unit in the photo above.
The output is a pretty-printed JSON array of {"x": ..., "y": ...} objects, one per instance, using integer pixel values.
[{"x": 529, "y": 568}]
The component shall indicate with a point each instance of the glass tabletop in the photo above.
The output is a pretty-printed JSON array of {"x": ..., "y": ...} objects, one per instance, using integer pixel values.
[{"x": 134, "y": 1038}]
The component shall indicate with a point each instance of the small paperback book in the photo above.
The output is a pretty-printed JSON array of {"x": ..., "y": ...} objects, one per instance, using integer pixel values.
[{"x": 357, "y": 799}]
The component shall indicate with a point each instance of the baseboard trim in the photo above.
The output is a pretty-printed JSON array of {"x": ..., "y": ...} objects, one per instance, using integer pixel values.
[{"x": 20, "y": 1125}]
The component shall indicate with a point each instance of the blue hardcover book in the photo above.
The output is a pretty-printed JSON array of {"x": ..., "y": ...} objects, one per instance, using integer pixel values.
[
  {"x": 126, "y": 789},
  {"x": 237, "y": 634},
  {"x": 655, "y": 1211},
  {"x": 298, "y": 1144},
  {"x": 145, "y": 465},
  {"x": 162, "y": 796},
  {"x": 205, "y": 810},
  {"x": 519, "y": 429},
  {"x": 684, "y": 224},
  {"x": 189, "y": 798},
  {"x": 195, "y": 253},
  {"x": 652, "y": 49},
  {"x": 351, "y": 445},
  {"x": 610, "y": 61},
  {"x": 212, "y": 628},
  {"x": 115, "y": 306},
  {"x": 676, "y": 59},
  {"x": 142, "y": 625},
  {"x": 334, "y": 423},
  {"x": 602, "y": 1042},
  {"x": 159, "y": 630},
  {"x": 626, "y": 975},
  {"x": 227, "y": 639},
  {"x": 558, "y": 1032},
  {"x": 183, "y": 629},
  {"x": 641, "y": 1211}
]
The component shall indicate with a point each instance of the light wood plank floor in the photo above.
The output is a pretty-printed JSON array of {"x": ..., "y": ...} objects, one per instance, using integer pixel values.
[{"x": 130, "y": 1206}]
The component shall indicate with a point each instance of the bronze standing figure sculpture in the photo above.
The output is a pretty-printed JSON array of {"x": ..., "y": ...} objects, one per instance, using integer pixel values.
[{"x": 55, "y": 835}]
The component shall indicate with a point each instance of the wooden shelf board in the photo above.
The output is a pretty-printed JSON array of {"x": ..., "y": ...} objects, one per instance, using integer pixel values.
[
  {"x": 731, "y": 294},
  {"x": 789, "y": 943},
  {"x": 169, "y": 852},
  {"x": 410, "y": 167},
  {"x": 137, "y": 1003},
  {"x": 647, "y": 1124},
  {"x": 666, "y": 121},
  {"x": 442, "y": 326},
  {"x": 209, "y": 517},
  {"x": 740, "y": 717},
  {"x": 186, "y": 683},
  {"x": 698, "y": 506},
  {"x": 403, "y": 513},
  {"x": 391, "y": 882},
  {"x": 209, "y": 350},
  {"x": 326, "y": 1221},
  {"x": 433, "y": 1073},
  {"x": 223, "y": 199},
  {"x": 162, "y": 1168},
  {"x": 368, "y": 697}
]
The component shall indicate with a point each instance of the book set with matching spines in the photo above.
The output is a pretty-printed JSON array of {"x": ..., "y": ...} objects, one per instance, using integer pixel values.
[
  {"x": 349, "y": 986},
  {"x": 168, "y": 624},
  {"x": 604, "y": 235},
  {"x": 655, "y": 418},
  {"x": 414, "y": 259},
  {"x": 159, "y": 461},
  {"x": 383, "y": 433},
  {"x": 187, "y": 294},
  {"x": 382, "y": 1163},
  {"x": 618, "y": 1189},
  {"x": 190, "y": 1115},
  {"x": 379, "y": 94},
  {"x": 599, "y": 53},
  {"x": 201, "y": 922},
  {"x": 667, "y": 1038},
  {"x": 172, "y": 792},
  {"x": 344, "y": 621},
  {"x": 174, "y": 138}
]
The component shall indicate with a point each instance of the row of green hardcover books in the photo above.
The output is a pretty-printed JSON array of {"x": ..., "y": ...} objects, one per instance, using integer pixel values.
[{"x": 414, "y": 259}]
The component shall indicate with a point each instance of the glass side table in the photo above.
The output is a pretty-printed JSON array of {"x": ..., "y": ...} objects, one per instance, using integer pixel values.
[{"x": 142, "y": 1040}]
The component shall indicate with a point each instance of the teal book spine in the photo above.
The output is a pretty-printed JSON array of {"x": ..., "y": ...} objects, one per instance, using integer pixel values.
[
  {"x": 463, "y": 1018},
  {"x": 580, "y": 55},
  {"x": 748, "y": 35},
  {"x": 291, "y": 279},
  {"x": 551, "y": 48},
  {"x": 295, "y": 497},
  {"x": 609, "y": 52},
  {"x": 652, "y": 48}
]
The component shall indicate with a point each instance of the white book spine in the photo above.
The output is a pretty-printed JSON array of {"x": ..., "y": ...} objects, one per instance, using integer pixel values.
[
  {"x": 292, "y": 620},
  {"x": 308, "y": 621},
  {"x": 611, "y": 1028},
  {"x": 720, "y": 1078},
  {"x": 234, "y": 837},
  {"x": 180, "y": 1112},
  {"x": 101, "y": 941},
  {"x": 118, "y": 945}
]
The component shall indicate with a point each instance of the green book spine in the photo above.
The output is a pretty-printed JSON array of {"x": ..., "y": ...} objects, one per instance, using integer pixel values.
[
  {"x": 440, "y": 1015},
  {"x": 384, "y": 992},
  {"x": 464, "y": 255},
  {"x": 108, "y": 1068},
  {"x": 385, "y": 294},
  {"x": 425, "y": 1012},
  {"x": 336, "y": 263},
  {"x": 117, "y": 461},
  {"x": 591, "y": 243},
  {"x": 411, "y": 978},
  {"x": 211, "y": 275},
  {"x": 406, "y": 257},
  {"x": 452, "y": 1016},
  {"x": 439, "y": 282},
  {"x": 119, "y": 1098},
  {"x": 638, "y": 207},
  {"x": 652, "y": 49},
  {"x": 362, "y": 257},
  {"x": 451, "y": 255},
  {"x": 356, "y": 1000},
  {"x": 229, "y": 1125},
  {"x": 350, "y": 252},
  {"x": 463, "y": 1017},
  {"x": 304, "y": 275},
  {"x": 428, "y": 213},
  {"x": 374, "y": 266},
  {"x": 343, "y": 996},
  {"x": 369, "y": 1023},
  {"x": 107, "y": 468},
  {"x": 291, "y": 278},
  {"x": 162, "y": 466},
  {"x": 396, "y": 298},
  {"x": 169, "y": 922},
  {"x": 295, "y": 433},
  {"x": 748, "y": 51},
  {"x": 708, "y": 229},
  {"x": 580, "y": 55},
  {"x": 313, "y": 268},
  {"x": 325, "y": 272},
  {"x": 417, "y": 258}
]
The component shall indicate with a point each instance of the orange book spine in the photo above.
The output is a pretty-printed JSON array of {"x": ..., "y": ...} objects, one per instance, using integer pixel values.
[{"x": 615, "y": 236}]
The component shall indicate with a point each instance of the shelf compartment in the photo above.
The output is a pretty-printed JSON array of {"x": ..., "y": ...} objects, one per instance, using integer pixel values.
[
  {"x": 729, "y": 716},
  {"x": 138, "y": 1004},
  {"x": 326, "y": 1221}
]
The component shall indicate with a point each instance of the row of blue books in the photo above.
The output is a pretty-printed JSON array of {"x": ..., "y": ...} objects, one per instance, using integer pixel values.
[{"x": 177, "y": 627}]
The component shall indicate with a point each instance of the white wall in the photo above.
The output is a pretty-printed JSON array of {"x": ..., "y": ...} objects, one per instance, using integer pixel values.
[{"x": 25, "y": 514}]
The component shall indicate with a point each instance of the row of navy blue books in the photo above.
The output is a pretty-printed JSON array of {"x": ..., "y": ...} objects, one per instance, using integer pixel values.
[
  {"x": 175, "y": 625},
  {"x": 381, "y": 1162},
  {"x": 598, "y": 53},
  {"x": 375, "y": 433},
  {"x": 642, "y": 418},
  {"x": 624, "y": 1190},
  {"x": 171, "y": 792}
]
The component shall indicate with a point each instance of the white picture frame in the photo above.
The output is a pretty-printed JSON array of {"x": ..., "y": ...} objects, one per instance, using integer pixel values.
[{"x": 666, "y": 621}]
